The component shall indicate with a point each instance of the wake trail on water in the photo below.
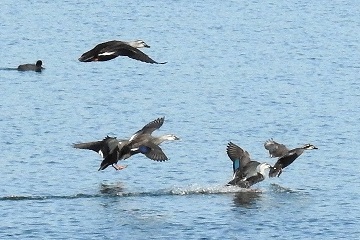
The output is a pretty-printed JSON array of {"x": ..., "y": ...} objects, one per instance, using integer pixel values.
[
  {"x": 116, "y": 191},
  {"x": 8, "y": 69}
]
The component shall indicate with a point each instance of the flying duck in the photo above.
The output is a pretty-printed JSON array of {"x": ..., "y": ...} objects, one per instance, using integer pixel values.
[
  {"x": 31, "y": 67},
  {"x": 284, "y": 155},
  {"x": 112, "y": 150},
  {"x": 108, "y": 148},
  {"x": 247, "y": 172},
  {"x": 109, "y": 50}
]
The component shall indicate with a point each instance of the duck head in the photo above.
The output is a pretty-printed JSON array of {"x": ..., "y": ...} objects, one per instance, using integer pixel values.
[
  {"x": 138, "y": 44},
  {"x": 264, "y": 169},
  {"x": 309, "y": 147},
  {"x": 171, "y": 137},
  {"x": 38, "y": 63}
]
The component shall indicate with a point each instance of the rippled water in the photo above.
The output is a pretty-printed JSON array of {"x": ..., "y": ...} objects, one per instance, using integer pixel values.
[{"x": 241, "y": 71}]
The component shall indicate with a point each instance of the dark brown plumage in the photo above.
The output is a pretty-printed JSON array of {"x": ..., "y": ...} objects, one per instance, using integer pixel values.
[
  {"x": 112, "y": 150},
  {"x": 285, "y": 156},
  {"x": 112, "y": 49}
]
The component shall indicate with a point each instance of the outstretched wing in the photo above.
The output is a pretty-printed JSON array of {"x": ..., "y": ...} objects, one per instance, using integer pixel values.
[
  {"x": 95, "y": 146},
  {"x": 275, "y": 149},
  {"x": 238, "y": 156},
  {"x": 153, "y": 152},
  {"x": 149, "y": 128},
  {"x": 285, "y": 161},
  {"x": 136, "y": 54}
]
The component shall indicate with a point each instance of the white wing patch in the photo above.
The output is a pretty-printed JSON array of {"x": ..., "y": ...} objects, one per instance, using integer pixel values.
[
  {"x": 101, "y": 153},
  {"x": 133, "y": 137},
  {"x": 106, "y": 53}
]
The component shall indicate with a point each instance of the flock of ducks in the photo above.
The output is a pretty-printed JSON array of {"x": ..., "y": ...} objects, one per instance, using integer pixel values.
[{"x": 247, "y": 172}]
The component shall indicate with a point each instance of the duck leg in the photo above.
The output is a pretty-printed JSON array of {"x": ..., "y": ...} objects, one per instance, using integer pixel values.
[{"x": 118, "y": 167}]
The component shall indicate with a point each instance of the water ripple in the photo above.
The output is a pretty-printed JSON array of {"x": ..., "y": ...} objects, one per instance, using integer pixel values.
[
  {"x": 116, "y": 192},
  {"x": 46, "y": 197}
]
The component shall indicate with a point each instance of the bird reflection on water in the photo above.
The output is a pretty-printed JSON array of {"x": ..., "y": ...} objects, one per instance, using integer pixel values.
[
  {"x": 111, "y": 189},
  {"x": 246, "y": 198}
]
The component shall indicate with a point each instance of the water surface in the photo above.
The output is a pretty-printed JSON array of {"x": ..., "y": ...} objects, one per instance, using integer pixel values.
[{"x": 237, "y": 71}]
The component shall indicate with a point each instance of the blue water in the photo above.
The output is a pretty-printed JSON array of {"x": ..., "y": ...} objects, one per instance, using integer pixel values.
[{"x": 241, "y": 71}]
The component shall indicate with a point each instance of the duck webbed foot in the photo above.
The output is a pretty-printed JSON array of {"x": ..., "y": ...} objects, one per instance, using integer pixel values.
[{"x": 119, "y": 167}]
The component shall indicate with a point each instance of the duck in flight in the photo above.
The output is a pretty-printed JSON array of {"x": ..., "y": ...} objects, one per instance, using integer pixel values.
[
  {"x": 109, "y": 50},
  {"x": 284, "y": 155},
  {"x": 112, "y": 150},
  {"x": 247, "y": 172},
  {"x": 31, "y": 67}
]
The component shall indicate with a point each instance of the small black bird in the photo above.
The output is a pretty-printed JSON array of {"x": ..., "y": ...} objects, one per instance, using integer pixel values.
[{"x": 31, "y": 67}]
